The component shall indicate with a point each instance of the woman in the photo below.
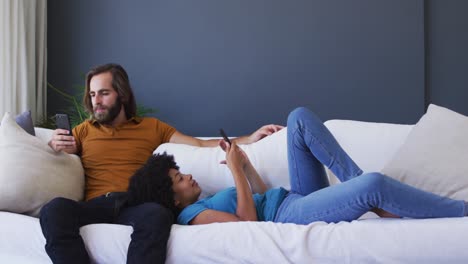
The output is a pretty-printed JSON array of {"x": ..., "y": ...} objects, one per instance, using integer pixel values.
[{"x": 310, "y": 146}]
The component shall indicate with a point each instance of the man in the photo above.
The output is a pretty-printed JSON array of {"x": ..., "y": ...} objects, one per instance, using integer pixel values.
[{"x": 112, "y": 145}]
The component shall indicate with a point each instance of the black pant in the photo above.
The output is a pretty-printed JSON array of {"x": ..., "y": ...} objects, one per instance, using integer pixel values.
[{"x": 62, "y": 218}]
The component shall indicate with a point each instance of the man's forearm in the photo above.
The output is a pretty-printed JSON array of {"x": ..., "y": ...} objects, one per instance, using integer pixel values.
[
  {"x": 241, "y": 140},
  {"x": 214, "y": 142}
]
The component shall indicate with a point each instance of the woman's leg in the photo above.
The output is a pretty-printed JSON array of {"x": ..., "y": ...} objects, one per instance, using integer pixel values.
[
  {"x": 349, "y": 200},
  {"x": 310, "y": 146}
]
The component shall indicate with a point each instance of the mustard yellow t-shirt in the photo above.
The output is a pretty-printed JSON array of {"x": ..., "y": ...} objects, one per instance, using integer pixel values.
[{"x": 110, "y": 155}]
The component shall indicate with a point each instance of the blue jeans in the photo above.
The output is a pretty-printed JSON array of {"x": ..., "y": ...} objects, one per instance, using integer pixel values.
[
  {"x": 62, "y": 218},
  {"x": 310, "y": 146}
]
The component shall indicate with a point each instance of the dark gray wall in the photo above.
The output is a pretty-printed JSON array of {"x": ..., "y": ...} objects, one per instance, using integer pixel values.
[
  {"x": 447, "y": 58},
  {"x": 239, "y": 64}
]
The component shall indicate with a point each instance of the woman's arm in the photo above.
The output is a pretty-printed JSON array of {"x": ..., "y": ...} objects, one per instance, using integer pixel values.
[
  {"x": 213, "y": 216},
  {"x": 246, "y": 210},
  {"x": 241, "y": 169},
  {"x": 256, "y": 182},
  {"x": 236, "y": 160}
]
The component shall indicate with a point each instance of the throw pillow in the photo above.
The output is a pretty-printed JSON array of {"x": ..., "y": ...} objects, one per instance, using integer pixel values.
[
  {"x": 268, "y": 155},
  {"x": 371, "y": 145},
  {"x": 25, "y": 121},
  {"x": 435, "y": 154},
  {"x": 31, "y": 173}
]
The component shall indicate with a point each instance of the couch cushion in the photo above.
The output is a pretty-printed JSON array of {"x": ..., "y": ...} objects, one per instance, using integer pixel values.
[
  {"x": 21, "y": 241},
  {"x": 45, "y": 134},
  {"x": 435, "y": 154},
  {"x": 31, "y": 173},
  {"x": 371, "y": 145}
]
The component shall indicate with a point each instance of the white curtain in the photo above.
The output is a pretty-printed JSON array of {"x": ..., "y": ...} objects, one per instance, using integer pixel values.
[{"x": 23, "y": 57}]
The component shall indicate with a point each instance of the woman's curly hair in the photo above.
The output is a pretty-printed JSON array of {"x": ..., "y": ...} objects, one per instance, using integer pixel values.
[{"x": 152, "y": 183}]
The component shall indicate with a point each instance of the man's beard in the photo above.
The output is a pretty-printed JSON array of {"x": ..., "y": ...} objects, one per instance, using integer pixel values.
[{"x": 108, "y": 116}]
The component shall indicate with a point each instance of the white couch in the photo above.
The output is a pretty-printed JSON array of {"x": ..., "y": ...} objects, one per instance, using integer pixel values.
[{"x": 368, "y": 240}]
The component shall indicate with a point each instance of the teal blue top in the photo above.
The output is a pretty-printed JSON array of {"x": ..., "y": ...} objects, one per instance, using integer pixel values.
[{"x": 226, "y": 201}]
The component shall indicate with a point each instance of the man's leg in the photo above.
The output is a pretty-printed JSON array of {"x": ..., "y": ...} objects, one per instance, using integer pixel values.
[
  {"x": 151, "y": 224},
  {"x": 61, "y": 220},
  {"x": 310, "y": 146}
]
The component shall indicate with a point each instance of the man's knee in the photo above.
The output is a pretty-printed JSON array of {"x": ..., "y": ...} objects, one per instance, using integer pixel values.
[
  {"x": 151, "y": 229},
  {"x": 57, "y": 207},
  {"x": 56, "y": 215},
  {"x": 155, "y": 216}
]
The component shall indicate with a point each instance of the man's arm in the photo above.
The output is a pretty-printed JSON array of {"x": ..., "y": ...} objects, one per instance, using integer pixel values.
[
  {"x": 61, "y": 141},
  {"x": 262, "y": 132},
  {"x": 180, "y": 138}
]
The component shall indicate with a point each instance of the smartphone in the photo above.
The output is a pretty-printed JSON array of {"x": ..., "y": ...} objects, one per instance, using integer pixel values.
[
  {"x": 63, "y": 122},
  {"x": 223, "y": 134}
]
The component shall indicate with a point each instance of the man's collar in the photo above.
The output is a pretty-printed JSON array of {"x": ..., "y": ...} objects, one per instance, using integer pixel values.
[{"x": 135, "y": 119}]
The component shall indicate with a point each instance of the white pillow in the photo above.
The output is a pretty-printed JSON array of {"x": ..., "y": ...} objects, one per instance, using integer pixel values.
[
  {"x": 268, "y": 155},
  {"x": 371, "y": 145},
  {"x": 31, "y": 173},
  {"x": 434, "y": 156}
]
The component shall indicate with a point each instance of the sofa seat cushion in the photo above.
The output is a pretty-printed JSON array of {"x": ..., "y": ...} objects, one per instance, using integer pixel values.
[{"x": 441, "y": 240}]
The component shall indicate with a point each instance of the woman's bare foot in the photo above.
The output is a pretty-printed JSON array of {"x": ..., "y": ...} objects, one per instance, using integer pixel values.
[{"x": 383, "y": 213}]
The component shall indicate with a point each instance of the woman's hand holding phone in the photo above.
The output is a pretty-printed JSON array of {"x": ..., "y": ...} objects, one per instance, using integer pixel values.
[
  {"x": 235, "y": 156},
  {"x": 238, "y": 159}
]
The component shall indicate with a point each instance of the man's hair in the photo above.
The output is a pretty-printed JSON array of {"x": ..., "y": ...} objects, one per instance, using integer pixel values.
[
  {"x": 152, "y": 183},
  {"x": 120, "y": 83}
]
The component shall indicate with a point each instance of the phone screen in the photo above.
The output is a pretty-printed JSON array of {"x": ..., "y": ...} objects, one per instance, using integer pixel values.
[
  {"x": 63, "y": 122},
  {"x": 223, "y": 134}
]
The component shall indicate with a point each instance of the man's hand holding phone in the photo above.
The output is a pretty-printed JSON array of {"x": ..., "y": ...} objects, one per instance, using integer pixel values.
[{"x": 62, "y": 139}]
